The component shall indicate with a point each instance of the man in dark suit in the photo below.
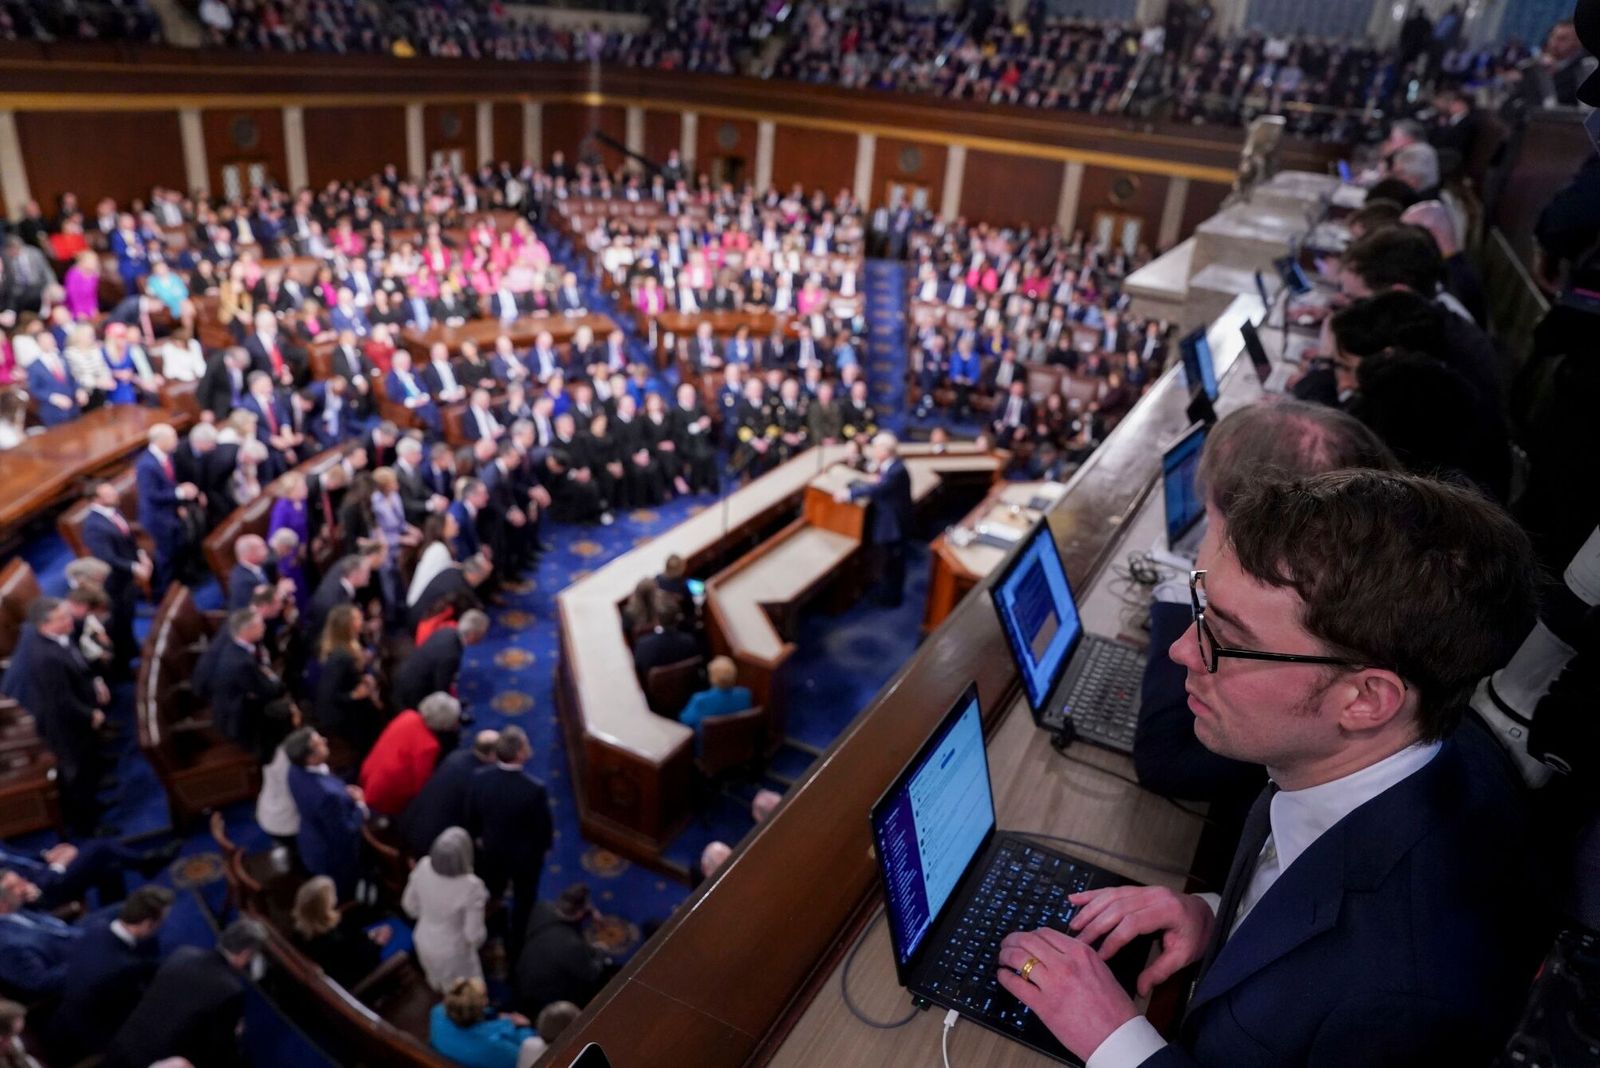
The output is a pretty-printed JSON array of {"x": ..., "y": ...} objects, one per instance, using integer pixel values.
[
  {"x": 889, "y": 516},
  {"x": 434, "y": 665},
  {"x": 163, "y": 502},
  {"x": 251, "y": 557},
  {"x": 247, "y": 697},
  {"x": 1013, "y": 415},
  {"x": 331, "y": 813},
  {"x": 569, "y": 298},
  {"x": 48, "y": 677},
  {"x": 508, "y": 815},
  {"x": 34, "y": 944},
  {"x": 194, "y": 1007},
  {"x": 341, "y": 585},
  {"x": 1384, "y": 904},
  {"x": 222, "y": 386},
  {"x": 557, "y": 962},
  {"x": 107, "y": 971},
  {"x": 666, "y": 644},
  {"x": 443, "y": 800},
  {"x": 455, "y": 583},
  {"x": 405, "y": 389},
  {"x": 59, "y": 396},
  {"x": 272, "y": 353},
  {"x": 108, "y": 536}
]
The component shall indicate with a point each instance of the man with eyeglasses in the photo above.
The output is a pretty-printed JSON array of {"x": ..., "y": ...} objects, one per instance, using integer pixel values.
[{"x": 1383, "y": 906}]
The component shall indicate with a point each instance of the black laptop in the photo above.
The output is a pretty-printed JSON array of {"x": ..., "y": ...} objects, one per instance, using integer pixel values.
[
  {"x": 1069, "y": 676},
  {"x": 955, "y": 886}
]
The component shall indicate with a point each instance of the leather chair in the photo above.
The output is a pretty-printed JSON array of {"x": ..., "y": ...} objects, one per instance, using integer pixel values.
[
  {"x": 732, "y": 743},
  {"x": 668, "y": 688}
]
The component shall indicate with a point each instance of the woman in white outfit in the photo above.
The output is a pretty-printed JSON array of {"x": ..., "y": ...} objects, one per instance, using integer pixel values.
[{"x": 447, "y": 901}]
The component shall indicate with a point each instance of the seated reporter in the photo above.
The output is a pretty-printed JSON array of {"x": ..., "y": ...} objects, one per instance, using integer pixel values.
[
  {"x": 1384, "y": 905},
  {"x": 1292, "y": 439}
]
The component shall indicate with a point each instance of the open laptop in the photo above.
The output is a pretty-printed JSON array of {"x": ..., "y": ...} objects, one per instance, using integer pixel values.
[
  {"x": 1274, "y": 376},
  {"x": 1076, "y": 683},
  {"x": 955, "y": 886},
  {"x": 1199, "y": 369},
  {"x": 1182, "y": 501}
]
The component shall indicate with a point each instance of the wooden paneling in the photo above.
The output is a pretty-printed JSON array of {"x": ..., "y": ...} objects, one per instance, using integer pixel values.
[
  {"x": 508, "y": 132},
  {"x": 450, "y": 127},
  {"x": 244, "y": 135},
  {"x": 663, "y": 132},
  {"x": 566, "y": 125},
  {"x": 726, "y": 139},
  {"x": 343, "y": 143},
  {"x": 922, "y": 165},
  {"x": 817, "y": 159},
  {"x": 1010, "y": 189},
  {"x": 1107, "y": 189},
  {"x": 96, "y": 154}
]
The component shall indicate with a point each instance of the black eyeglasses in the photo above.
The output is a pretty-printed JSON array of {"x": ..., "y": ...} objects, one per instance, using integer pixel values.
[{"x": 1212, "y": 651}]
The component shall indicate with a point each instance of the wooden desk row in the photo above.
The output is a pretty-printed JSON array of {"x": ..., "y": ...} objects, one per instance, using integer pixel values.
[
  {"x": 631, "y": 768},
  {"x": 49, "y": 467},
  {"x": 746, "y": 972}
]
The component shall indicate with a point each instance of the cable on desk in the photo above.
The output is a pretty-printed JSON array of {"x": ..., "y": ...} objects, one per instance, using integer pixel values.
[
  {"x": 950, "y": 1019},
  {"x": 1126, "y": 858},
  {"x": 844, "y": 987},
  {"x": 1174, "y": 802}
]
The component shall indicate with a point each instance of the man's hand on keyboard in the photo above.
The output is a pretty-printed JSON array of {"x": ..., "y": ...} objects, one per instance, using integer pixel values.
[
  {"x": 1071, "y": 989},
  {"x": 1119, "y": 914}
]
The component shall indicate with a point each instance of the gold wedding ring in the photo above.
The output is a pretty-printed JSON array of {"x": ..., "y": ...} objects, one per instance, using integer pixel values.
[{"x": 1027, "y": 966}]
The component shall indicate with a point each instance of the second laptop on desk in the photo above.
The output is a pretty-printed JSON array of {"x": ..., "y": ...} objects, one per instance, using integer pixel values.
[{"x": 1074, "y": 681}]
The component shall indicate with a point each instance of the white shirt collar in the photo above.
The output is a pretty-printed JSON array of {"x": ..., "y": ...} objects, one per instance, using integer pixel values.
[
  {"x": 1300, "y": 817},
  {"x": 124, "y": 935}
]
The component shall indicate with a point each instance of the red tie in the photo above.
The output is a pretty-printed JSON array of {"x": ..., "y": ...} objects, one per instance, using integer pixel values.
[
  {"x": 272, "y": 417},
  {"x": 277, "y": 362},
  {"x": 57, "y": 369},
  {"x": 122, "y": 524},
  {"x": 166, "y": 465}
]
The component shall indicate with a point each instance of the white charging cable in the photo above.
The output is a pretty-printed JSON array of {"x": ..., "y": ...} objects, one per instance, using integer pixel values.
[{"x": 950, "y": 1019}]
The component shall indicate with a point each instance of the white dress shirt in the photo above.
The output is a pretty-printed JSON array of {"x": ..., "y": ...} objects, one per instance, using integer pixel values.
[{"x": 1298, "y": 818}]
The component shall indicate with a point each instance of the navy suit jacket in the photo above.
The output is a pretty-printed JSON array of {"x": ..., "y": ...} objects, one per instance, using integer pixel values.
[
  {"x": 105, "y": 542},
  {"x": 44, "y": 385},
  {"x": 467, "y": 542},
  {"x": 1407, "y": 934},
  {"x": 509, "y": 812},
  {"x": 890, "y": 497},
  {"x": 441, "y": 804},
  {"x": 158, "y": 500},
  {"x": 330, "y": 827},
  {"x": 242, "y": 582},
  {"x": 104, "y": 979},
  {"x": 33, "y": 951},
  {"x": 191, "y": 1010}
]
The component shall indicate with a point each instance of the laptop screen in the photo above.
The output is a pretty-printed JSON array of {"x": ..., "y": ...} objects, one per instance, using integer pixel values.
[
  {"x": 1344, "y": 171},
  {"x": 1184, "y": 504},
  {"x": 1257, "y": 351},
  {"x": 933, "y": 823},
  {"x": 1293, "y": 276},
  {"x": 1038, "y": 615},
  {"x": 1198, "y": 368}
]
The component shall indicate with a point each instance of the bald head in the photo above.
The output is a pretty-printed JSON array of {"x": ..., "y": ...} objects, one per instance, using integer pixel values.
[
  {"x": 163, "y": 437},
  {"x": 250, "y": 549},
  {"x": 1435, "y": 218}
]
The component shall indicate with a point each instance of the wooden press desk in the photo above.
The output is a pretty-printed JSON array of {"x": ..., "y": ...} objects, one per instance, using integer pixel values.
[
  {"x": 957, "y": 568},
  {"x": 1035, "y": 789}
]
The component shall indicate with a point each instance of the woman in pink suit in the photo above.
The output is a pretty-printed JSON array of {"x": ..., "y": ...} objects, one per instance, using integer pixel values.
[{"x": 82, "y": 283}]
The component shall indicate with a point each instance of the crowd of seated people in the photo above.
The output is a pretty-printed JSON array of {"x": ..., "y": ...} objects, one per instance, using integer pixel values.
[
  {"x": 115, "y": 20},
  {"x": 990, "y": 303}
]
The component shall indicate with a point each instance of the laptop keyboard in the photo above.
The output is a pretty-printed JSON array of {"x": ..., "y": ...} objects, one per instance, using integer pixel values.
[
  {"x": 1025, "y": 888},
  {"x": 1103, "y": 701}
]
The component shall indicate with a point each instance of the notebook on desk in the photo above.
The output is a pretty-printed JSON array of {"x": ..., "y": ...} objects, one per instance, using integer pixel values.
[
  {"x": 1074, "y": 681},
  {"x": 955, "y": 886}
]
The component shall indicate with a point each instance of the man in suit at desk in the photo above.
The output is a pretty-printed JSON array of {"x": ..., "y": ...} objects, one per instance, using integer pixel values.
[
  {"x": 888, "y": 516},
  {"x": 508, "y": 814},
  {"x": 194, "y": 1008},
  {"x": 270, "y": 353},
  {"x": 1384, "y": 904},
  {"x": 50, "y": 380},
  {"x": 164, "y": 502},
  {"x": 1013, "y": 420}
]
